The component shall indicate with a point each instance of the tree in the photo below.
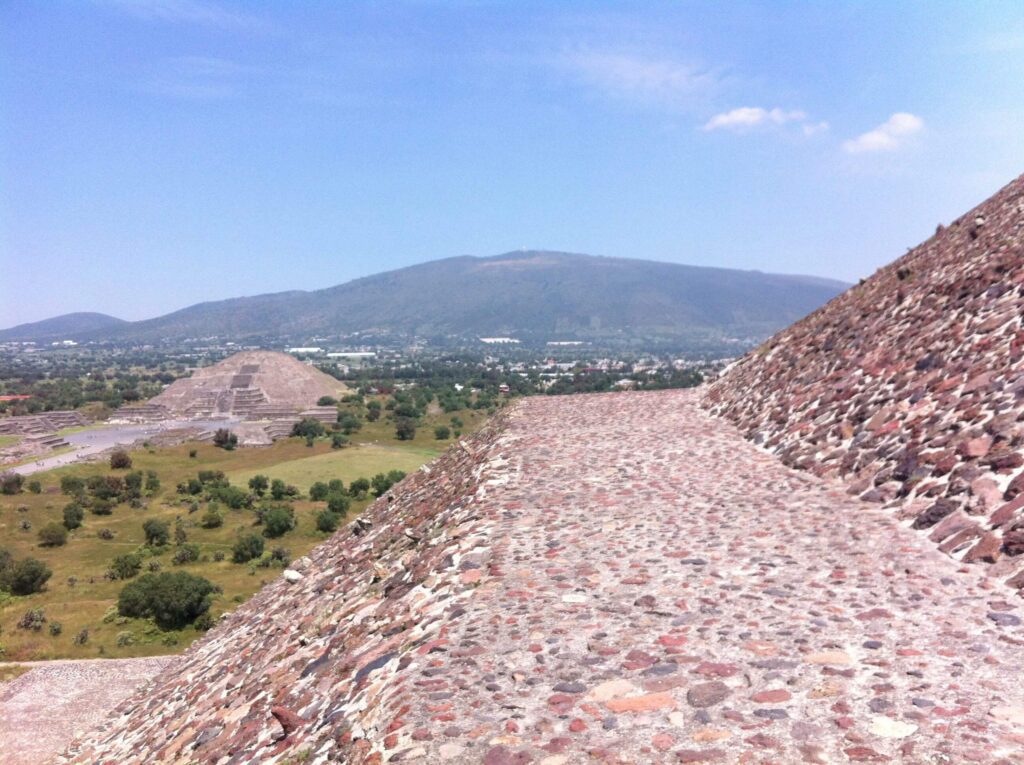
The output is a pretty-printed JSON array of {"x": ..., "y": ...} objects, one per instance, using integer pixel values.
[
  {"x": 259, "y": 484},
  {"x": 373, "y": 410},
  {"x": 338, "y": 441},
  {"x": 338, "y": 503},
  {"x": 405, "y": 428},
  {"x": 327, "y": 521},
  {"x": 349, "y": 423},
  {"x": 119, "y": 460},
  {"x": 125, "y": 566},
  {"x": 318, "y": 491},
  {"x": 53, "y": 535},
  {"x": 73, "y": 516},
  {"x": 25, "y": 577},
  {"x": 225, "y": 439},
  {"x": 247, "y": 547},
  {"x": 308, "y": 427},
  {"x": 10, "y": 483},
  {"x": 171, "y": 599},
  {"x": 35, "y": 487},
  {"x": 326, "y": 401},
  {"x": 278, "y": 489},
  {"x": 359, "y": 487},
  {"x": 384, "y": 481},
  {"x": 278, "y": 521},
  {"x": 152, "y": 482},
  {"x": 442, "y": 433},
  {"x": 133, "y": 485},
  {"x": 158, "y": 533}
]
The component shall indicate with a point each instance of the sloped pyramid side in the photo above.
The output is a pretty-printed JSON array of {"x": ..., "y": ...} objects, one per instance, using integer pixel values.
[
  {"x": 910, "y": 387},
  {"x": 306, "y": 669}
]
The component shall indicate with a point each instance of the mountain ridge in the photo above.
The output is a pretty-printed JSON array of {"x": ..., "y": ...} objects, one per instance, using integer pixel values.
[{"x": 532, "y": 293}]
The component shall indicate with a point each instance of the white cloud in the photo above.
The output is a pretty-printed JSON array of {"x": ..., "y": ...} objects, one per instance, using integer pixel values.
[
  {"x": 746, "y": 117},
  {"x": 624, "y": 75},
  {"x": 189, "y": 12},
  {"x": 888, "y": 136}
]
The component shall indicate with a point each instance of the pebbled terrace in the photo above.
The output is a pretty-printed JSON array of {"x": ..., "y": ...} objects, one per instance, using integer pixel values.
[{"x": 611, "y": 578}]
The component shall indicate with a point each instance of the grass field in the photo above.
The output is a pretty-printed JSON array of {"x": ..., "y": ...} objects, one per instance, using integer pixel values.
[
  {"x": 360, "y": 461},
  {"x": 78, "y": 595},
  {"x": 8, "y": 440}
]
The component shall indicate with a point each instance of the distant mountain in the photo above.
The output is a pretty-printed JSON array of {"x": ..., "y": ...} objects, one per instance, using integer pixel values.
[
  {"x": 64, "y": 327},
  {"x": 535, "y": 296}
]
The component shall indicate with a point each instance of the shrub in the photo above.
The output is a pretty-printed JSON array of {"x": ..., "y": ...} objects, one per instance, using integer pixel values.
[
  {"x": 327, "y": 521},
  {"x": 35, "y": 487},
  {"x": 72, "y": 485},
  {"x": 119, "y": 460},
  {"x": 187, "y": 553},
  {"x": 81, "y": 637},
  {"x": 105, "y": 534},
  {"x": 101, "y": 507},
  {"x": 359, "y": 487},
  {"x": 225, "y": 439},
  {"x": 125, "y": 638},
  {"x": 318, "y": 491},
  {"x": 232, "y": 496},
  {"x": 326, "y": 401},
  {"x": 25, "y": 577},
  {"x": 53, "y": 535},
  {"x": 125, "y": 566},
  {"x": 105, "y": 486},
  {"x": 278, "y": 521},
  {"x": 10, "y": 483},
  {"x": 278, "y": 489},
  {"x": 247, "y": 547},
  {"x": 218, "y": 556},
  {"x": 204, "y": 622},
  {"x": 212, "y": 519},
  {"x": 56, "y": 628},
  {"x": 133, "y": 485},
  {"x": 338, "y": 441},
  {"x": 158, "y": 533},
  {"x": 73, "y": 516},
  {"x": 33, "y": 620},
  {"x": 338, "y": 503},
  {"x": 171, "y": 599},
  {"x": 192, "y": 453},
  {"x": 442, "y": 433},
  {"x": 258, "y": 484},
  {"x": 308, "y": 427},
  {"x": 335, "y": 486}
]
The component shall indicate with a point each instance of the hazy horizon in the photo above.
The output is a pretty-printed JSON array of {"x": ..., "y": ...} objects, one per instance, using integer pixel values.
[{"x": 155, "y": 154}]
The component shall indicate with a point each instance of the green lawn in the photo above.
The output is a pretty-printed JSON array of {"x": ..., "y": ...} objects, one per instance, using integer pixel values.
[
  {"x": 78, "y": 594},
  {"x": 359, "y": 461},
  {"x": 8, "y": 440}
]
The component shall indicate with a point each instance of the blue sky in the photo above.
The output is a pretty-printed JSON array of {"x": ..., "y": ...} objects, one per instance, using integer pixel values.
[{"x": 156, "y": 153}]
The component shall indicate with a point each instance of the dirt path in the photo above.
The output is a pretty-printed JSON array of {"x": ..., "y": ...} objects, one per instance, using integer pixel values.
[{"x": 44, "y": 709}]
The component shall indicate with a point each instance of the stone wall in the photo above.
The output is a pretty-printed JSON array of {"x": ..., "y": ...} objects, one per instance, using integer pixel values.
[
  {"x": 310, "y": 669},
  {"x": 910, "y": 387}
]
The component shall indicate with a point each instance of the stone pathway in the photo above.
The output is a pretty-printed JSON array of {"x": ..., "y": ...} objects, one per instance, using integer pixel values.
[
  {"x": 613, "y": 578},
  {"x": 660, "y": 590},
  {"x": 44, "y": 709}
]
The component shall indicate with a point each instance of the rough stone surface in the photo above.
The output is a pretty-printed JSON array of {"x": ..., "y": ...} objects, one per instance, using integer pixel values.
[
  {"x": 44, "y": 709},
  {"x": 910, "y": 386},
  {"x": 698, "y": 559}
]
